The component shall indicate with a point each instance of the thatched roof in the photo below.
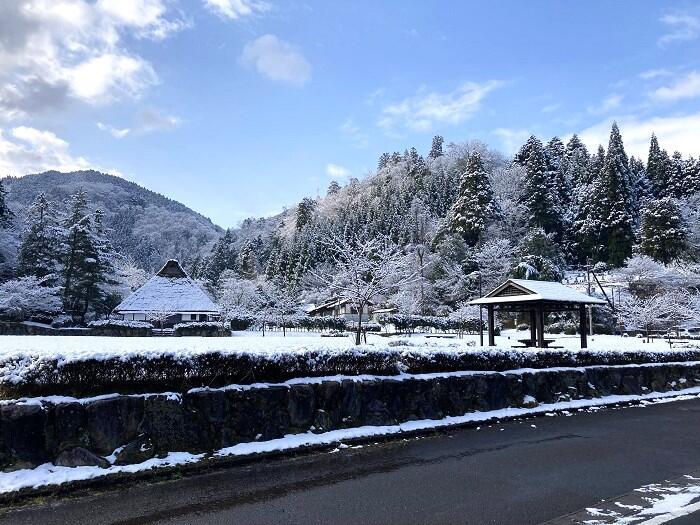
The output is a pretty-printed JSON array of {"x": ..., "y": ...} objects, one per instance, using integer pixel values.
[{"x": 170, "y": 290}]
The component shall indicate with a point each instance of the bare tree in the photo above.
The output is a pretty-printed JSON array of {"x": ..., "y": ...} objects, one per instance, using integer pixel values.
[
  {"x": 660, "y": 311},
  {"x": 364, "y": 270},
  {"x": 237, "y": 298},
  {"x": 158, "y": 316}
]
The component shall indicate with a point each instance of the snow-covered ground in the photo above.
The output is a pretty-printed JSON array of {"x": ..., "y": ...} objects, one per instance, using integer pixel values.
[
  {"x": 77, "y": 347},
  {"x": 49, "y": 474}
]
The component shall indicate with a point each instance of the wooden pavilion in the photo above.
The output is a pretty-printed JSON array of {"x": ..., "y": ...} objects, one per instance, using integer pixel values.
[{"x": 537, "y": 298}]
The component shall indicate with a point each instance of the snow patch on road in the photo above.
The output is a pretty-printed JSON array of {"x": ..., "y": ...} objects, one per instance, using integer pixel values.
[{"x": 662, "y": 503}]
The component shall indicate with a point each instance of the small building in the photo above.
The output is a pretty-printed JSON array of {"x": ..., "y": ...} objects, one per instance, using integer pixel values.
[
  {"x": 379, "y": 313},
  {"x": 536, "y": 298},
  {"x": 168, "y": 298},
  {"x": 344, "y": 308}
]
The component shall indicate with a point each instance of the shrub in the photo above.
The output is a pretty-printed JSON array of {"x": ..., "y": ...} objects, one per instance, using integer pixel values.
[
  {"x": 200, "y": 329},
  {"x": 121, "y": 328},
  {"x": 570, "y": 329},
  {"x": 118, "y": 323},
  {"x": 63, "y": 321}
]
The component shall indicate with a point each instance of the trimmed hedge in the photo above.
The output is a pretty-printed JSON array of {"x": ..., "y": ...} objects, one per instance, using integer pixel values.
[
  {"x": 38, "y": 375},
  {"x": 199, "y": 329},
  {"x": 121, "y": 328}
]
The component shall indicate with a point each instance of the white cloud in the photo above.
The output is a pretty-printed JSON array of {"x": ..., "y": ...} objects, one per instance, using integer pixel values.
[
  {"x": 674, "y": 133},
  {"x": 236, "y": 9},
  {"x": 686, "y": 87},
  {"x": 277, "y": 60},
  {"x": 551, "y": 108},
  {"x": 117, "y": 133},
  {"x": 53, "y": 51},
  {"x": 146, "y": 121},
  {"x": 512, "y": 139},
  {"x": 374, "y": 95},
  {"x": 423, "y": 111},
  {"x": 354, "y": 133},
  {"x": 654, "y": 73},
  {"x": 681, "y": 26},
  {"x": 153, "y": 120},
  {"x": 149, "y": 17},
  {"x": 107, "y": 77},
  {"x": 608, "y": 104},
  {"x": 31, "y": 150},
  {"x": 337, "y": 172}
]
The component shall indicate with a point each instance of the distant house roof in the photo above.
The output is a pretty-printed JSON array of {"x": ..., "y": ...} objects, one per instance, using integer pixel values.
[
  {"x": 331, "y": 303},
  {"x": 524, "y": 290},
  {"x": 170, "y": 290},
  {"x": 385, "y": 310}
]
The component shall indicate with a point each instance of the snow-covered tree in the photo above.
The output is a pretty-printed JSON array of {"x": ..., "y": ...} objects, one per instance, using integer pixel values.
[
  {"x": 363, "y": 270},
  {"x": 612, "y": 192},
  {"x": 88, "y": 261},
  {"x": 223, "y": 257},
  {"x": 436, "y": 148},
  {"x": 305, "y": 211},
  {"x": 333, "y": 188},
  {"x": 237, "y": 298},
  {"x": 27, "y": 296},
  {"x": 39, "y": 252},
  {"x": 661, "y": 311},
  {"x": 158, "y": 317},
  {"x": 538, "y": 196},
  {"x": 493, "y": 262},
  {"x": 475, "y": 206},
  {"x": 246, "y": 261},
  {"x": 555, "y": 152},
  {"x": 663, "y": 233},
  {"x": 644, "y": 313},
  {"x": 691, "y": 177},
  {"x": 465, "y": 316},
  {"x": 658, "y": 168},
  {"x": 6, "y": 214},
  {"x": 79, "y": 257}
]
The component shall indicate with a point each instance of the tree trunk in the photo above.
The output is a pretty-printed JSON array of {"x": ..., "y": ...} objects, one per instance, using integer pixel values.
[{"x": 358, "y": 336}]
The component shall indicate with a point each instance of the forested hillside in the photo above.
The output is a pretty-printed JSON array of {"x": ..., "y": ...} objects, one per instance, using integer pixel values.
[
  {"x": 460, "y": 218},
  {"x": 143, "y": 225},
  {"x": 467, "y": 212}
]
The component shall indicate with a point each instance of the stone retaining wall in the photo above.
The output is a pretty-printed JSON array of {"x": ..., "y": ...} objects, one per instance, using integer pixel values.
[{"x": 139, "y": 427}]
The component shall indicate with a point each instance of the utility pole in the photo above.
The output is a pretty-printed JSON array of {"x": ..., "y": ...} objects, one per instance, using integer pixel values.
[
  {"x": 481, "y": 315},
  {"x": 590, "y": 310}
]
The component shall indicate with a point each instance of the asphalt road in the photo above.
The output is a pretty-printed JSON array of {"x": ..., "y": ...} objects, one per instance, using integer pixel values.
[{"x": 510, "y": 473}]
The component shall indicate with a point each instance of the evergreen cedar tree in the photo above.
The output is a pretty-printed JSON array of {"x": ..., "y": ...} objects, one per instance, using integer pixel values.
[
  {"x": 460, "y": 209},
  {"x": 475, "y": 206},
  {"x": 6, "y": 214},
  {"x": 663, "y": 233}
]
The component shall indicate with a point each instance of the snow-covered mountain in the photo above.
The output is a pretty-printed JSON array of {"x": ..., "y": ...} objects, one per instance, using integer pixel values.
[{"x": 147, "y": 226}]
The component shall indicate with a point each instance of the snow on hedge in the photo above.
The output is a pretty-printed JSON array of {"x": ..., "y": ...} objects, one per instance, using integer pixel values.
[
  {"x": 85, "y": 366},
  {"x": 118, "y": 323}
]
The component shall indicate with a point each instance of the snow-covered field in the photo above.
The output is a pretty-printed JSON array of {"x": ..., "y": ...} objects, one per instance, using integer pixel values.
[{"x": 76, "y": 347}]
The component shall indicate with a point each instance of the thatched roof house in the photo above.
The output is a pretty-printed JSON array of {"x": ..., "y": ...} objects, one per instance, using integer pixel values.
[{"x": 169, "y": 297}]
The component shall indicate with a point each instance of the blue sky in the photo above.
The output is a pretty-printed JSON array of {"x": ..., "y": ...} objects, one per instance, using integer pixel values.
[{"x": 240, "y": 107}]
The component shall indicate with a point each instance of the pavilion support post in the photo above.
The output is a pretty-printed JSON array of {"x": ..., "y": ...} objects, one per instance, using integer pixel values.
[
  {"x": 540, "y": 327},
  {"x": 582, "y": 326},
  {"x": 533, "y": 326},
  {"x": 491, "y": 321}
]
